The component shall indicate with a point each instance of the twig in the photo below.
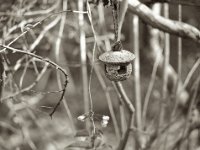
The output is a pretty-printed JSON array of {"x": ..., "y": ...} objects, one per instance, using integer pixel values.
[
  {"x": 164, "y": 75},
  {"x": 98, "y": 73},
  {"x": 188, "y": 127},
  {"x": 191, "y": 72},
  {"x": 20, "y": 25},
  {"x": 38, "y": 124},
  {"x": 124, "y": 96},
  {"x": 37, "y": 41},
  {"x": 122, "y": 93},
  {"x": 106, "y": 36},
  {"x": 57, "y": 54},
  {"x": 179, "y": 64},
  {"x": 176, "y": 88},
  {"x": 42, "y": 12},
  {"x": 42, "y": 20},
  {"x": 44, "y": 31},
  {"x": 174, "y": 2},
  {"x": 174, "y": 27},
  {"x": 30, "y": 86},
  {"x": 137, "y": 72},
  {"x": 23, "y": 74},
  {"x": 27, "y": 137},
  {"x": 123, "y": 7},
  {"x": 152, "y": 44},
  {"x": 123, "y": 123},
  {"x": 124, "y": 139},
  {"x": 108, "y": 98},
  {"x": 43, "y": 60},
  {"x": 83, "y": 56}
]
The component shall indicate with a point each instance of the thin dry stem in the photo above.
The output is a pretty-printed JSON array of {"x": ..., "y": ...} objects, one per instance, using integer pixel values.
[
  {"x": 137, "y": 72},
  {"x": 57, "y": 54},
  {"x": 155, "y": 44},
  {"x": 108, "y": 97},
  {"x": 165, "y": 76},
  {"x": 124, "y": 139},
  {"x": 174, "y": 27},
  {"x": 49, "y": 62},
  {"x": 123, "y": 10},
  {"x": 191, "y": 72},
  {"x": 174, "y": 2},
  {"x": 30, "y": 86}
]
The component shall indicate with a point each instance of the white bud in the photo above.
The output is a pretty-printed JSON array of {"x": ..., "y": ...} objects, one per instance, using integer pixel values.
[
  {"x": 104, "y": 123},
  {"x": 81, "y": 118},
  {"x": 106, "y": 118}
]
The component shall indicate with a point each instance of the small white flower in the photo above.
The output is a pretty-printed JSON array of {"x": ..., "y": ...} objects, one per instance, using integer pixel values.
[
  {"x": 106, "y": 118},
  {"x": 104, "y": 123},
  {"x": 81, "y": 118}
]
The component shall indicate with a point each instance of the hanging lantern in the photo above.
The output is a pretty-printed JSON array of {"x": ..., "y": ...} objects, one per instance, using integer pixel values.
[{"x": 117, "y": 62}]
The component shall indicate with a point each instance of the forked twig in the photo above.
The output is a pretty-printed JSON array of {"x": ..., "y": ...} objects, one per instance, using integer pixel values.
[
  {"x": 43, "y": 60},
  {"x": 174, "y": 27}
]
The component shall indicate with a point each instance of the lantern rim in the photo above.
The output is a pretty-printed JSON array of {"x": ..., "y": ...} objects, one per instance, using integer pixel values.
[{"x": 117, "y": 57}]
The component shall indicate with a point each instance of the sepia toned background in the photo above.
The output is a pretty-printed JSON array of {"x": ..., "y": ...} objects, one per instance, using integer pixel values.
[{"x": 156, "y": 108}]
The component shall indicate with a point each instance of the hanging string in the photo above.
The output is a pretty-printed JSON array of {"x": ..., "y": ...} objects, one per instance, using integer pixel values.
[{"x": 115, "y": 13}]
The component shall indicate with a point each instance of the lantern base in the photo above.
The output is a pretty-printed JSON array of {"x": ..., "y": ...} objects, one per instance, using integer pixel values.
[{"x": 118, "y": 72}]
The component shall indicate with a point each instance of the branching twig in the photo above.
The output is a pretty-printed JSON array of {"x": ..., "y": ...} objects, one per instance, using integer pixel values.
[
  {"x": 42, "y": 12},
  {"x": 124, "y": 96},
  {"x": 170, "y": 26},
  {"x": 30, "y": 86},
  {"x": 188, "y": 128},
  {"x": 57, "y": 55},
  {"x": 175, "y": 2},
  {"x": 43, "y": 60},
  {"x": 41, "y": 21},
  {"x": 108, "y": 98},
  {"x": 154, "y": 43},
  {"x": 124, "y": 139},
  {"x": 37, "y": 41}
]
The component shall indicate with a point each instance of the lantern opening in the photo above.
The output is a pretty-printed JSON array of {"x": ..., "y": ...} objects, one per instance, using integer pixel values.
[{"x": 122, "y": 69}]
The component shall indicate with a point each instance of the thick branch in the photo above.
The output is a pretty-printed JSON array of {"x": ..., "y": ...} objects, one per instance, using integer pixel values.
[
  {"x": 174, "y": 27},
  {"x": 182, "y": 2}
]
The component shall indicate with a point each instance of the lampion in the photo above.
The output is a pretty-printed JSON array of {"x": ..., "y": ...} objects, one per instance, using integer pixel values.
[{"x": 117, "y": 62}]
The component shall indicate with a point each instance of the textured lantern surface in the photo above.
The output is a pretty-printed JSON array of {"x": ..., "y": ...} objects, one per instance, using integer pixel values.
[{"x": 118, "y": 65}]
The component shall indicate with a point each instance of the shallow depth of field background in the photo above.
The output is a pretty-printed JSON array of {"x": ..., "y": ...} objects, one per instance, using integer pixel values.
[{"x": 25, "y": 123}]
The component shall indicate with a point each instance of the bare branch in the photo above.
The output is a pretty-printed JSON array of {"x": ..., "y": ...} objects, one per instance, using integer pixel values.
[
  {"x": 176, "y": 2},
  {"x": 124, "y": 96},
  {"x": 174, "y": 27},
  {"x": 44, "y": 60}
]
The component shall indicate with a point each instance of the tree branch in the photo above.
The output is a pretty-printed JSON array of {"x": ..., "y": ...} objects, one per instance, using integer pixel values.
[
  {"x": 174, "y": 27},
  {"x": 43, "y": 60},
  {"x": 176, "y": 2}
]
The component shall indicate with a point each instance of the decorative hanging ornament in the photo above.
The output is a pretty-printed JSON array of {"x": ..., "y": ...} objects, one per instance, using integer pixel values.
[{"x": 117, "y": 62}]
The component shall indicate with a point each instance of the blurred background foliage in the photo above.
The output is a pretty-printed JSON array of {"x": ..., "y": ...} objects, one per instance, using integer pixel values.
[{"x": 24, "y": 118}]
